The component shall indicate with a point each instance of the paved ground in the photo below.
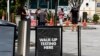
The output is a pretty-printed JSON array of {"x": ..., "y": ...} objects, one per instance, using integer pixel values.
[{"x": 90, "y": 42}]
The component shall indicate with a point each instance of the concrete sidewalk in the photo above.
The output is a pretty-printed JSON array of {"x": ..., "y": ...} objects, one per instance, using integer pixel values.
[
  {"x": 90, "y": 42},
  {"x": 32, "y": 53}
]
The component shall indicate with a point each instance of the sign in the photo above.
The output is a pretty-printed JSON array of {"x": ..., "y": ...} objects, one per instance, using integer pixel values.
[
  {"x": 7, "y": 34},
  {"x": 49, "y": 41}
]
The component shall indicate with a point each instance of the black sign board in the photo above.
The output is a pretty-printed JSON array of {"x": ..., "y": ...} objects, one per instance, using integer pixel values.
[
  {"x": 7, "y": 34},
  {"x": 48, "y": 41}
]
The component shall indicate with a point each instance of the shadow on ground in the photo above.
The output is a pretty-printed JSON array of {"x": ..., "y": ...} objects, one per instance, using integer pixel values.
[
  {"x": 67, "y": 54},
  {"x": 32, "y": 53}
]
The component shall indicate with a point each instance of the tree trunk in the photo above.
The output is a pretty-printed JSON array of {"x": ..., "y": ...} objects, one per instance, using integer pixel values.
[
  {"x": 3, "y": 15},
  {"x": 12, "y": 17}
]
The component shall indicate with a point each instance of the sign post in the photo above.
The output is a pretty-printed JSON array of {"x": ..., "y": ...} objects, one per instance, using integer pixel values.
[
  {"x": 48, "y": 41},
  {"x": 79, "y": 40}
]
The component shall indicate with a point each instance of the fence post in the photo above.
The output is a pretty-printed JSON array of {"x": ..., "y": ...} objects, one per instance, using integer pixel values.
[{"x": 79, "y": 39}]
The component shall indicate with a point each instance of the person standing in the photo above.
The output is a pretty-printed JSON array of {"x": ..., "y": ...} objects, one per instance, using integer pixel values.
[
  {"x": 42, "y": 18},
  {"x": 37, "y": 17},
  {"x": 61, "y": 16},
  {"x": 22, "y": 12},
  {"x": 74, "y": 13}
]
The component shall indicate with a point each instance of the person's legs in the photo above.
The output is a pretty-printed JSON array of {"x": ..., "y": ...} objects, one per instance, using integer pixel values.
[
  {"x": 61, "y": 22},
  {"x": 42, "y": 24},
  {"x": 76, "y": 27},
  {"x": 74, "y": 24},
  {"x": 72, "y": 27}
]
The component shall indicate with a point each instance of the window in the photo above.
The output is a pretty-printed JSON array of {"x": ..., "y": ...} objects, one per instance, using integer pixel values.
[
  {"x": 63, "y": 2},
  {"x": 33, "y": 4},
  {"x": 98, "y": 4},
  {"x": 42, "y": 4}
]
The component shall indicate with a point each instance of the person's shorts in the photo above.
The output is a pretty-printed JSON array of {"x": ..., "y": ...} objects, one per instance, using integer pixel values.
[{"x": 74, "y": 20}]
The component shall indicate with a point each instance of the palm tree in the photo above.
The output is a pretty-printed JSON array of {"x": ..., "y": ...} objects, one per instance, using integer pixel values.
[{"x": 22, "y": 2}]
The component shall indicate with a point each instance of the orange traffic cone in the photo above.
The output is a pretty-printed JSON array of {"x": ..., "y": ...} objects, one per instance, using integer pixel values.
[
  {"x": 84, "y": 23},
  {"x": 33, "y": 22},
  {"x": 51, "y": 22},
  {"x": 67, "y": 23}
]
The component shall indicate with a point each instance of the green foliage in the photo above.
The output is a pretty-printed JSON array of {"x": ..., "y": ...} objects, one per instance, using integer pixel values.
[
  {"x": 12, "y": 6},
  {"x": 3, "y": 4},
  {"x": 95, "y": 18},
  {"x": 49, "y": 16},
  {"x": 16, "y": 4},
  {"x": 0, "y": 13},
  {"x": 12, "y": 9},
  {"x": 22, "y": 2}
]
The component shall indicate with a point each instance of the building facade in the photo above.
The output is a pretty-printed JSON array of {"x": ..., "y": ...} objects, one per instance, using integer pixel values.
[
  {"x": 97, "y": 7},
  {"x": 44, "y": 4},
  {"x": 87, "y": 6}
]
